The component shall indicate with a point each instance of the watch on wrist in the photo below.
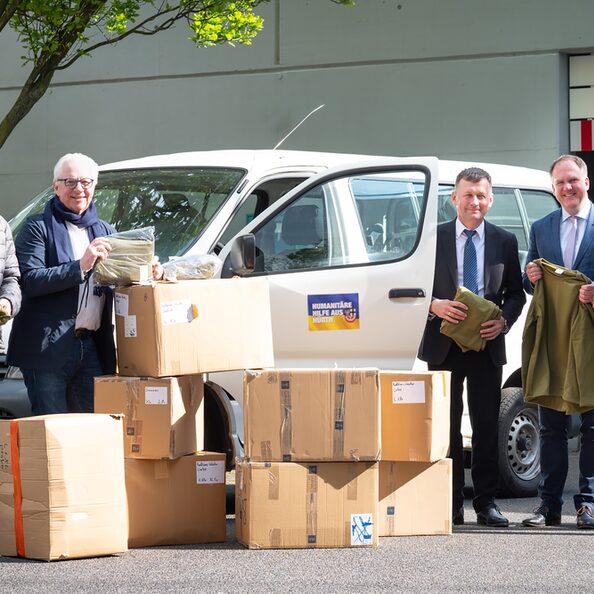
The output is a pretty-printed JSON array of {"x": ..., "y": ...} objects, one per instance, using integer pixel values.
[{"x": 505, "y": 326}]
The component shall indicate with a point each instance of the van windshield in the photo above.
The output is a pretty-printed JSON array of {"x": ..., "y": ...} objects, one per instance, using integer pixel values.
[{"x": 178, "y": 202}]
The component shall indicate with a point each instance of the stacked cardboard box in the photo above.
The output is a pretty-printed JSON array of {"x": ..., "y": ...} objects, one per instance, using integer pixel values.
[
  {"x": 415, "y": 479},
  {"x": 310, "y": 475},
  {"x": 168, "y": 334},
  {"x": 62, "y": 490}
]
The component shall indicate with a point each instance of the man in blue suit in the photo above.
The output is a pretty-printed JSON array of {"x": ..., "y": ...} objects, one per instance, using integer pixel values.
[
  {"x": 484, "y": 258},
  {"x": 564, "y": 237},
  {"x": 56, "y": 251}
]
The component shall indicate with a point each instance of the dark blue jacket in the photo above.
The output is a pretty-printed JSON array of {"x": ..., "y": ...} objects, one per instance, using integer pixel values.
[{"x": 43, "y": 331}]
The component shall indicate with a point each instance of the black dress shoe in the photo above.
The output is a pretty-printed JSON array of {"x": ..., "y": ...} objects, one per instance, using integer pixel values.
[
  {"x": 458, "y": 517},
  {"x": 543, "y": 516},
  {"x": 585, "y": 517},
  {"x": 491, "y": 516}
]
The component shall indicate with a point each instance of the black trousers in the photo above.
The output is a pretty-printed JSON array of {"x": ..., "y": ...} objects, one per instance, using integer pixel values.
[{"x": 483, "y": 393}]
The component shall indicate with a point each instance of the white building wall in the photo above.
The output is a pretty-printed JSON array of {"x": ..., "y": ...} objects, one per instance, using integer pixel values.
[{"x": 471, "y": 79}]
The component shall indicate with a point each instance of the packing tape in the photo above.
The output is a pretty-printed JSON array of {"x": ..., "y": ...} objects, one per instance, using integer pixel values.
[
  {"x": 339, "y": 406},
  {"x": 286, "y": 432},
  {"x": 311, "y": 504},
  {"x": 15, "y": 459}
]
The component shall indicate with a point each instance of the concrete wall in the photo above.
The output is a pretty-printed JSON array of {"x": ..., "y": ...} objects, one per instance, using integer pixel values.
[{"x": 471, "y": 79}]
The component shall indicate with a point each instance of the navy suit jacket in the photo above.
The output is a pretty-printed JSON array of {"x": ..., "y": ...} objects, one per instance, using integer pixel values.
[
  {"x": 545, "y": 242},
  {"x": 503, "y": 286},
  {"x": 43, "y": 331}
]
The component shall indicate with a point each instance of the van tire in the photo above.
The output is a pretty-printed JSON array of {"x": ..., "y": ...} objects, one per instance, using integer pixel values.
[{"x": 519, "y": 453}]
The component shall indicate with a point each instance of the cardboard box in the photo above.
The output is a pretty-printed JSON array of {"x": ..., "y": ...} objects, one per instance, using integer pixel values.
[
  {"x": 415, "y": 415},
  {"x": 164, "y": 417},
  {"x": 311, "y": 415},
  {"x": 195, "y": 326},
  {"x": 415, "y": 498},
  {"x": 62, "y": 487},
  {"x": 176, "y": 501},
  {"x": 281, "y": 505}
]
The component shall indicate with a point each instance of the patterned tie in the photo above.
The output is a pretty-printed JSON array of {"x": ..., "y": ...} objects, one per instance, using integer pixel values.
[
  {"x": 470, "y": 266},
  {"x": 568, "y": 253}
]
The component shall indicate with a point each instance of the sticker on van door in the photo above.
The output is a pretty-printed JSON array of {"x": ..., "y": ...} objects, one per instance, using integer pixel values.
[{"x": 338, "y": 311}]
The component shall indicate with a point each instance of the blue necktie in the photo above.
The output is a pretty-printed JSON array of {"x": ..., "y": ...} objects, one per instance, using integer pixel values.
[{"x": 469, "y": 266}]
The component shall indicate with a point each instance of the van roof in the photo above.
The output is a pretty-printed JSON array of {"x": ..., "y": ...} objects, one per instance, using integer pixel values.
[{"x": 271, "y": 160}]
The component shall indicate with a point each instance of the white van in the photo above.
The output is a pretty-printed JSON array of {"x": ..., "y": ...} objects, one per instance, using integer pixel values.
[{"x": 352, "y": 230}]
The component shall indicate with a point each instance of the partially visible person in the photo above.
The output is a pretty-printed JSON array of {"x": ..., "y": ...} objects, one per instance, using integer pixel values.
[
  {"x": 10, "y": 291},
  {"x": 484, "y": 259},
  {"x": 565, "y": 238},
  {"x": 57, "y": 251}
]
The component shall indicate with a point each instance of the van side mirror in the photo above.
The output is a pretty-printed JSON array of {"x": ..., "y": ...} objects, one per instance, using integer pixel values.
[{"x": 241, "y": 259}]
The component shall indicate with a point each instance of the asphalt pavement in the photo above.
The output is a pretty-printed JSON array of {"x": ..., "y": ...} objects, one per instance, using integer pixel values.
[{"x": 473, "y": 559}]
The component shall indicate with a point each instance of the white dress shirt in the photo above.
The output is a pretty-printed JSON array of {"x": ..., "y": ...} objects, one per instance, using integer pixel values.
[{"x": 479, "y": 245}]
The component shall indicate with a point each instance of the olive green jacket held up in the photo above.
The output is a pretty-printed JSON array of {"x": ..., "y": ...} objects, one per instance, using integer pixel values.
[{"x": 557, "y": 365}]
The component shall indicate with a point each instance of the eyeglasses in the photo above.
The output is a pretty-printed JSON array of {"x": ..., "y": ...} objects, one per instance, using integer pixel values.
[{"x": 71, "y": 183}]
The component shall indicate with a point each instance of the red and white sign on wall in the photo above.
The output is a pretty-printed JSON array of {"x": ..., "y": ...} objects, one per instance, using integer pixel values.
[{"x": 580, "y": 135}]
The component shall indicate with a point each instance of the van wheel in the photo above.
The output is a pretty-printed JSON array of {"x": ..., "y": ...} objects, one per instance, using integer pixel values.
[{"x": 519, "y": 453}]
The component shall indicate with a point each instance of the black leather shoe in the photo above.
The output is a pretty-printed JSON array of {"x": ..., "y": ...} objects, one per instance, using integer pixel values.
[
  {"x": 492, "y": 516},
  {"x": 542, "y": 516},
  {"x": 585, "y": 517},
  {"x": 458, "y": 517}
]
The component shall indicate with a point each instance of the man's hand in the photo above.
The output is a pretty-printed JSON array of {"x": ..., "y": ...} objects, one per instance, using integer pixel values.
[
  {"x": 492, "y": 329},
  {"x": 533, "y": 272},
  {"x": 452, "y": 311},
  {"x": 97, "y": 251},
  {"x": 5, "y": 311},
  {"x": 587, "y": 293},
  {"x": 157, "y": 269}
]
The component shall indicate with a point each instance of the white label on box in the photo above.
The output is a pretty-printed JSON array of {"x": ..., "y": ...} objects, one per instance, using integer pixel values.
[
  {"x": 211, "y": 472},
  {"x": 411, "y": 392},
  {"x": 130, "y": 327},
  {"x": 79, "y": 516},
  {"x": 155, "y": 395},
  {"x": 121, "y": 304},
  {"x": 361, "y": 529},
  {"x": 176, "y": 312}
]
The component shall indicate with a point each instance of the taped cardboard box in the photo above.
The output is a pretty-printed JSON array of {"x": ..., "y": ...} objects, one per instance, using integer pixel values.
[
  {"x": 179, "y": 501},
  {"x": 311, "y": 414},
  {"x": 198, "y": 326},
  {"x": 415, "y": 415},
  {"x": 415, "y": 498},
  {"x": 62, "y": 487},
  {"x": 281, "y": 505},
  {"x": 164, "y": 417}
]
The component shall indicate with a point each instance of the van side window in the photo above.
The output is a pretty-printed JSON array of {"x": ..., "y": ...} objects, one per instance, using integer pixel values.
[
  {"x": 538, "y": 204},
  {"x": 505, "y": 213},
  {"x": 345, "y": 221}
]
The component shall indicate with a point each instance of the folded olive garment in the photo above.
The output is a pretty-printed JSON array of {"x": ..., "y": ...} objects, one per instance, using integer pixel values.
[{"x": 466, "y": 334}]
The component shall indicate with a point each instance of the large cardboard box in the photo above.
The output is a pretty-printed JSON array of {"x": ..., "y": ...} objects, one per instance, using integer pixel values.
[
  {"x": 282, "y": 505},
  {"x": 62, "y": 487},
  {"x": 312, "y": 414},
  {"x": 415, "y": 498},
  {"x": 164, "y": 417},
  {"x": 193, "y": 327},
  {"x": 176, "y": 501},
  {"x": 415, "y": 415}
]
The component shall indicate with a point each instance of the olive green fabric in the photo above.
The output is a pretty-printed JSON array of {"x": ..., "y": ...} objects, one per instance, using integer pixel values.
[
  {"x": 557, "y": 364},
  {"x": 466, "y": 334},
  {"x": 130, "y": 251}
]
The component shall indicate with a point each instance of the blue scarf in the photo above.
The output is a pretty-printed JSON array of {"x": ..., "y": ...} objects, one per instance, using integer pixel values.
[{"x": 55, "y": 216}]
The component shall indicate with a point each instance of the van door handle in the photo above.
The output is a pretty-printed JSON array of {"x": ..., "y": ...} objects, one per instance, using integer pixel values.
[{"x": 404, "y": 293}]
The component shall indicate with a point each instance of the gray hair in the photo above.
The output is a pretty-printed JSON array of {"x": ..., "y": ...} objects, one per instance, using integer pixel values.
[
  {"x": 474, "y": 175},
  {"x": 575, "y": 159},
  {"x": 81, "y": 159}
]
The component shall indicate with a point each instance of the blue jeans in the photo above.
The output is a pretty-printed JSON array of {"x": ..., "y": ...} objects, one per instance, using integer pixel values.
[
  {"x": 68, "y": 388},
  {"x": 554, "y": 458}
]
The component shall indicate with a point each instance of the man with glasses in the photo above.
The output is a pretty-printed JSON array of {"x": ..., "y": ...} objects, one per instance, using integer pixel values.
[{"x": 57, "y": 251}]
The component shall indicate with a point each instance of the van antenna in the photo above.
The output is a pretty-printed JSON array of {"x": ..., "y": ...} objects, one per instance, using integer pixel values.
[{"x": 299, "y": 124}]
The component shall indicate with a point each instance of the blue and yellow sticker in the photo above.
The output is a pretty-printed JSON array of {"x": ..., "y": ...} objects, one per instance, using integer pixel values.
[{"x": 333, "y": 312}]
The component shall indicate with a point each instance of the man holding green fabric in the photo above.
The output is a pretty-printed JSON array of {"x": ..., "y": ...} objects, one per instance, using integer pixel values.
[
  {"x": 563, "y": 238},
  {"x": 483, "y": 258}
]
